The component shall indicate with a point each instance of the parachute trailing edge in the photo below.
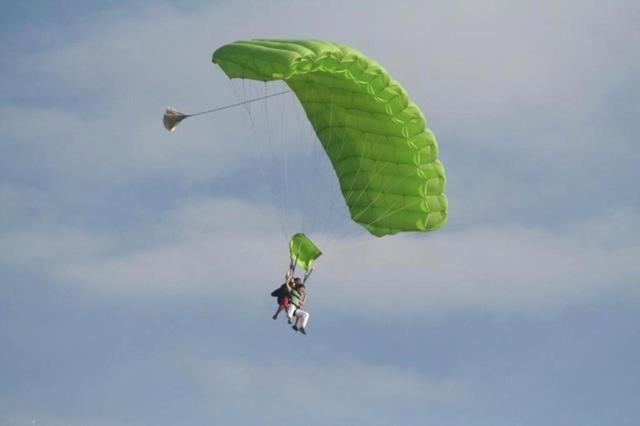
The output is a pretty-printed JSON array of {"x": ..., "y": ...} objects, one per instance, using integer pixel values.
[{"x": 384, "y": 156}]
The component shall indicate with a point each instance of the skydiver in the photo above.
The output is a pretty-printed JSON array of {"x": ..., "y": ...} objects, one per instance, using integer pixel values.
[
  {"x": 284, "y": 295},
  {"x": 298, "y": 294}
]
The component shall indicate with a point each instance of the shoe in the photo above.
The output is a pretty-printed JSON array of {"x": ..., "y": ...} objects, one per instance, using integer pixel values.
[
  {"x": 289, "y": 320},
  {"x": 303, "y": 331},
  {"x": 274, "y": 317},
  {"x": 294, "y": 327}
]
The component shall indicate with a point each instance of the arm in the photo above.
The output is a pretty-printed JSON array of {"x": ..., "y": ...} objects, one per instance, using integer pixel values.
[{"x": 287, "y": 280}]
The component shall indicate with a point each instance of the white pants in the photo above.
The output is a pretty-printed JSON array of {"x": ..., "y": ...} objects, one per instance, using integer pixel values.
[{"x": 302, "y": 317}]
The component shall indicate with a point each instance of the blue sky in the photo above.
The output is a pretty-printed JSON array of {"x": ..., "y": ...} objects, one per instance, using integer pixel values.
[{"x": 135, "y": 264}]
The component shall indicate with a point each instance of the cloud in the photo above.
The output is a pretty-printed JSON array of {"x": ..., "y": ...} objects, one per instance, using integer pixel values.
[
  {"x": 97, "y": 120},
  {"x": 476, "y": 64},
  {"x": 46, "y": 249},
  {"x": 509, "y": 111},
  {"x": 197, "y": 249},
  {"x": 202, "y": 247},
  {"x": 250, "y": 388},
  {"x": 94, "y": 135},
  {"x": 531, "y": 271},
  {"x": 533, "y": 106},
  {"x": 352, "y": 390}
]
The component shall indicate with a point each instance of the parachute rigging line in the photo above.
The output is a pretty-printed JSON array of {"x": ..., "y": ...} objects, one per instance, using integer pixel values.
[{"x": 173, "y": 117}]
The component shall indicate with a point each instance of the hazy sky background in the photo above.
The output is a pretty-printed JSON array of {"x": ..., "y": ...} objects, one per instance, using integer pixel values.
[{"x": 135, "y": 264}]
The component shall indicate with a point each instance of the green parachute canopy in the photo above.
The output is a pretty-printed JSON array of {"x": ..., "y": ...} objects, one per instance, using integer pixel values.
[
  {"x": 385, "y": 158},
  {"x": 303, "y": 251}
]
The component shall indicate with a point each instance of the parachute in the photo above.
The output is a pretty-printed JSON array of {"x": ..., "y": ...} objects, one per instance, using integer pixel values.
[
  {"x": 384, "y": 156},
  {"x": 303, "y": 251}
]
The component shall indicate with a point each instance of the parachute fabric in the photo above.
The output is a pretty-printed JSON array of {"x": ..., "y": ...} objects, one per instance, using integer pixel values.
[
  {"x": 303, "y": 251},
  {"x": 385, "y": 158}
]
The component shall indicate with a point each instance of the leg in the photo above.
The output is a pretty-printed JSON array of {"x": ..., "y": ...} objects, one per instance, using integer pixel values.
[
  {"x": 291, "y": 310},
  {"x": 304, "y": 318},
  {"x": 295, "y": 316},
  {"x": 277, "y": 312},
  {"x": 285, "y": 307}
]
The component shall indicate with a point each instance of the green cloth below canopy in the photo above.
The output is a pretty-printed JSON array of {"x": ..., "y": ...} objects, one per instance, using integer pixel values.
[{"x": 303, "y": 251}]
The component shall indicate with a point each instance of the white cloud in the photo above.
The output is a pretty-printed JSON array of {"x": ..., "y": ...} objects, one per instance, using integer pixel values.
[
  {"x": 350, "y": 388},
  {"x": 249, "y": 388},
  {"x": 520, "y": 86},
  {"x": 202, "y": 247},
  {"x": 490, "y": 269},
  {"x": 45, "y": 249},
  {"x": 470, "y": 67},
  {"x": 463, "y": 63},
  {"x": 470, "y": 62}
]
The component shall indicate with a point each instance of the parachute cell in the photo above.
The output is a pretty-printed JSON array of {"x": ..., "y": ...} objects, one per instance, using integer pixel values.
[{"x": 385, "y": 158}]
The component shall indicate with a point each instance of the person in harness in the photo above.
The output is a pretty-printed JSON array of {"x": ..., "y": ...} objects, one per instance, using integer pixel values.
[
  {"x": 283, "y": 296},
  {"x": 298, "y": 294}
]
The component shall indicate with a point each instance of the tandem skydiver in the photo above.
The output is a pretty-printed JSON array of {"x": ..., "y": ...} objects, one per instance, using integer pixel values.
[
  {"x": 298, "y": 294},
  {"x": 292, "y": 295}
]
